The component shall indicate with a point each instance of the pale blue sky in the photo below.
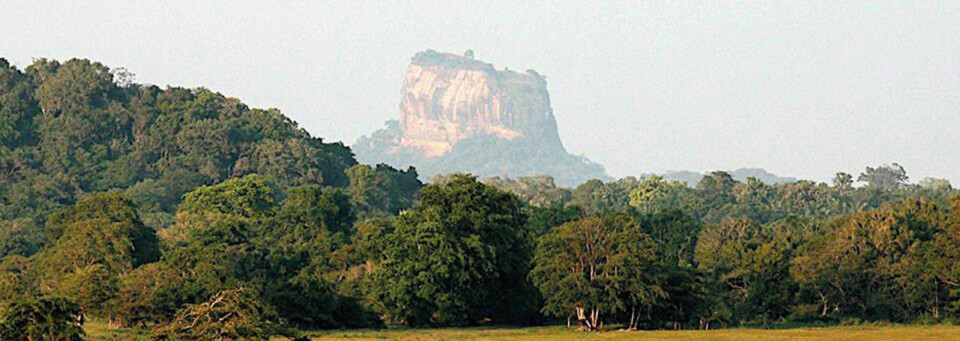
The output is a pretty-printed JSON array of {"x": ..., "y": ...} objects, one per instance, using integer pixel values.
[{"x": 801, "y": 88}]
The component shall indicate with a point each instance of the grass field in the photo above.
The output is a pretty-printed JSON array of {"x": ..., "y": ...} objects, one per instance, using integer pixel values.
[
  {"x": 98, "y": 331},
  {"x": 564, "y": 334}
]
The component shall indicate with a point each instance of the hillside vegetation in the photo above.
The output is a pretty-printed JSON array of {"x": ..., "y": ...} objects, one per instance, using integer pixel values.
[{"x": 184, "y": 214}]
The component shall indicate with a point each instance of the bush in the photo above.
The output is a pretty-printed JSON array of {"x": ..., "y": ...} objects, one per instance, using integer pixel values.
[
  {"x": 229, "y": 315},
  {"x": 42, "y": 319}
]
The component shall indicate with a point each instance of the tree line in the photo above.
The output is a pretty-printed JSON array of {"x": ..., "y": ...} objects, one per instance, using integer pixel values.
[{"x": 189, "y": 214}]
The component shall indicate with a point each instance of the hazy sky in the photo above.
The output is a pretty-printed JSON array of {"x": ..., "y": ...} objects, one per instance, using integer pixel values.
[{"x": 801, "y": 88}]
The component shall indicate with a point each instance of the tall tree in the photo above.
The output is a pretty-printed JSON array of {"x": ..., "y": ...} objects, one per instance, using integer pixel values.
[
  {"x": 382, "y": 190},
  {"x": 843, "y": 181},
  {"x": 856, "y": 268},
  {"x": 249, "y": 197},
  {"x": 596, "y": 267},
  {"x": 457, "y": 257},
  {"x": 102, "y": 237},
  {"x": 888, "y": 177},
  {"x": 751, "y": 263}
]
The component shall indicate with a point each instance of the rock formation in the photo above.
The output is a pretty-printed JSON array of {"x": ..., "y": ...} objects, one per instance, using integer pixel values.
[{"x": 448, "y": 99}]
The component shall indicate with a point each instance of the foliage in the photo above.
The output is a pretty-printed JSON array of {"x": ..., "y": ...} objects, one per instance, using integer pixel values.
[
  {"x": 144, "y": 296},
  {"x": 887, "y": 176},
  {"x": 248, "y": 197},
  {"x": 101, "y": 238},
  {"x": 873, "y": 265},
  {"x": 150, "y": 207},
  {"x": 541, "y": 220},
  {"x": 235, "y": 314},
  {"x": 751, "y": 266},
  {"x": 383, "y": 191},
  {"x": 596, "y": 266},
  {"x": 14, "y": 283},
  {"x": 44, "y": 318},
  {"x": 536, "y": 191},
  {"x": 457, "y": 257},
  {"x": 718, "y": 196},
  {"x": 72, "y": 128},
  {"x": 309, "y": 252},
  {"x": 20, "y": 237}
]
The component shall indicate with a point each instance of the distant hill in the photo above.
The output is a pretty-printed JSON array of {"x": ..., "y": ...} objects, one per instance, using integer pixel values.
[
  {"x": 458, "y": 114},
  {"x": 741, "y": 174}
]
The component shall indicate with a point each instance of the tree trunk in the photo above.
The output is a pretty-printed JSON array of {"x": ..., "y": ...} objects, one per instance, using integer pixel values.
[
  {"x": 595, "y": 317},
  {"x": 823, "y": 300},
  {"x": 936, "y": 301},
  {"x": 582, "y": 320},
  {"x": 588, "y": 321}
]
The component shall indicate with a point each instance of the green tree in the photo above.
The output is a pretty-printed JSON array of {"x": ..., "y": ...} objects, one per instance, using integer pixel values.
[
  {"x": 143, "y": 296},
  {"x": 235, "y": 314},
  {"x": 317, "y": 208},
  {"x": 250, "y": 197},
  {"x": 382, "y": 190},
  {"x": 843, "y": 182},
  {"x": 595, "y": 196},
  {"x": 596, "y": 267},
  {"x": 14, "y": 284},
  {"x": 536, "y": 191},
  {"x": 72, "y": 128},
  {"x": 54, "y": 319},
  {"x": 861, "y": 267},
  {"x": 655, "y": 194},
  {"x": 17, "y": 107},
  {"x": 675, "y": 235},
  {"x": 457, "y": 257},
  {"x": 717, "y": 187},
  {"x": 942, "y": 261},
  {"x": 215, "y": 256},
  {"x": 20, "y": 237},
  {"x": 541, "y": 220},
  {"x": 212, "y": 247},
  {"x": 935, "y": 184},
  {"x": 752, "y": 265},
  {"x": 102, "y": 237},
  {"x": 308, "y": 255},
  {"x": 887, "y": 177}
]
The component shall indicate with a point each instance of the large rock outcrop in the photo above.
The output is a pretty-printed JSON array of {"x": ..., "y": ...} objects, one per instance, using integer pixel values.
[
  {"x": 448, "y": 98},
  {"x": 458, "y": 114}
]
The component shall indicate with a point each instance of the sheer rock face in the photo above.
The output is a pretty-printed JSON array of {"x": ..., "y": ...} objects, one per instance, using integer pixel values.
[
  {"x": 458, "y": 114},
  {"x": 448, "y": 98}
]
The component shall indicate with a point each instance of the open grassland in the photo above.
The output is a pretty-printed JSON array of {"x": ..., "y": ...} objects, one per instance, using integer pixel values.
[
  {"x": 563, "y": 334},
  {"x": 98, "y": 331}
]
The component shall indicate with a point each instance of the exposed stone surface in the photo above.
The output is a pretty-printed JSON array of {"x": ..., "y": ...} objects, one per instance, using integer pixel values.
[
  {"x": 458, "y": 114},
  {"x": 447, "y": 98}
]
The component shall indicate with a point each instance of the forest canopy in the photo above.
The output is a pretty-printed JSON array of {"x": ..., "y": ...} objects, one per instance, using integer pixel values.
[{"x": 178, "y": 210}]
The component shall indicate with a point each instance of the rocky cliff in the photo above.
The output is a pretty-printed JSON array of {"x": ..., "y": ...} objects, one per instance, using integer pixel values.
[
  {"x": 458, "y": 114},
  {"x": 448, "y": 98}
]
